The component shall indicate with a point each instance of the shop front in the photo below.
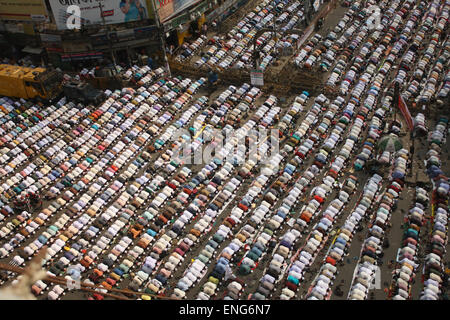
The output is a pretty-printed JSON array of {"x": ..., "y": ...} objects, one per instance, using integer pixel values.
[{"x": 186, "y": 25}]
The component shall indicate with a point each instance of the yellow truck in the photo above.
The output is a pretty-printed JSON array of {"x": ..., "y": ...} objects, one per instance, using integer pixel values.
[{"x": 29, "y": 83}]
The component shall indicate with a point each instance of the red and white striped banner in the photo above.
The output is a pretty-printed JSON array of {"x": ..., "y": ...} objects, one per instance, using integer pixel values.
[{"x": 405, "y": 111}]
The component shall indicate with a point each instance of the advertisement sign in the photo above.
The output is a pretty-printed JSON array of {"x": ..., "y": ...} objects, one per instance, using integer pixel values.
[
  {"x": 45, "y": 37},
  {"x": 257, "y": 78},
  {"x": 102, "y": 39},
  {"x": 90, "y": 13},
  {"x": 14, "y": 28},
  {"x": 82, "y": 56},
  {"x": 169, "y": 8},
  {"x": 125, "y": 35},
  {"x": 52, "y": 49},
  {"x": 149, "y": 32},
  {"x": 23, "y": 10}
]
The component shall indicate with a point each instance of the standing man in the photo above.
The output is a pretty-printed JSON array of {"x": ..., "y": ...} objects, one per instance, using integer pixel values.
[
  {"x": 150, "y": 63},
  {"x": 212, "y": 77}
]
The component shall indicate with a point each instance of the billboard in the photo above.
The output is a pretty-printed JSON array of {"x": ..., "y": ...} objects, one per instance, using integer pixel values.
[
  {"x": 23, "y": 10},
  {"x": 257, "y": 78},
  {"x": 170, "y": 8},
  {"x": 89, "y": 12}
]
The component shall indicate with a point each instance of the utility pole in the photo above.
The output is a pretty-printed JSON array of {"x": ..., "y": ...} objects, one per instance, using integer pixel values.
[
  {"x": 161, "y": 37},
  {"x": 100, "y": 5},
  {"x": 396, "y": 98},
  {"x": 39, "y": 42}
]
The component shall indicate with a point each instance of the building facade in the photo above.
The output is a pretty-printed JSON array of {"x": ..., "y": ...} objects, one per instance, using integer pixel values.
[{"x": 120, "y": 30}]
